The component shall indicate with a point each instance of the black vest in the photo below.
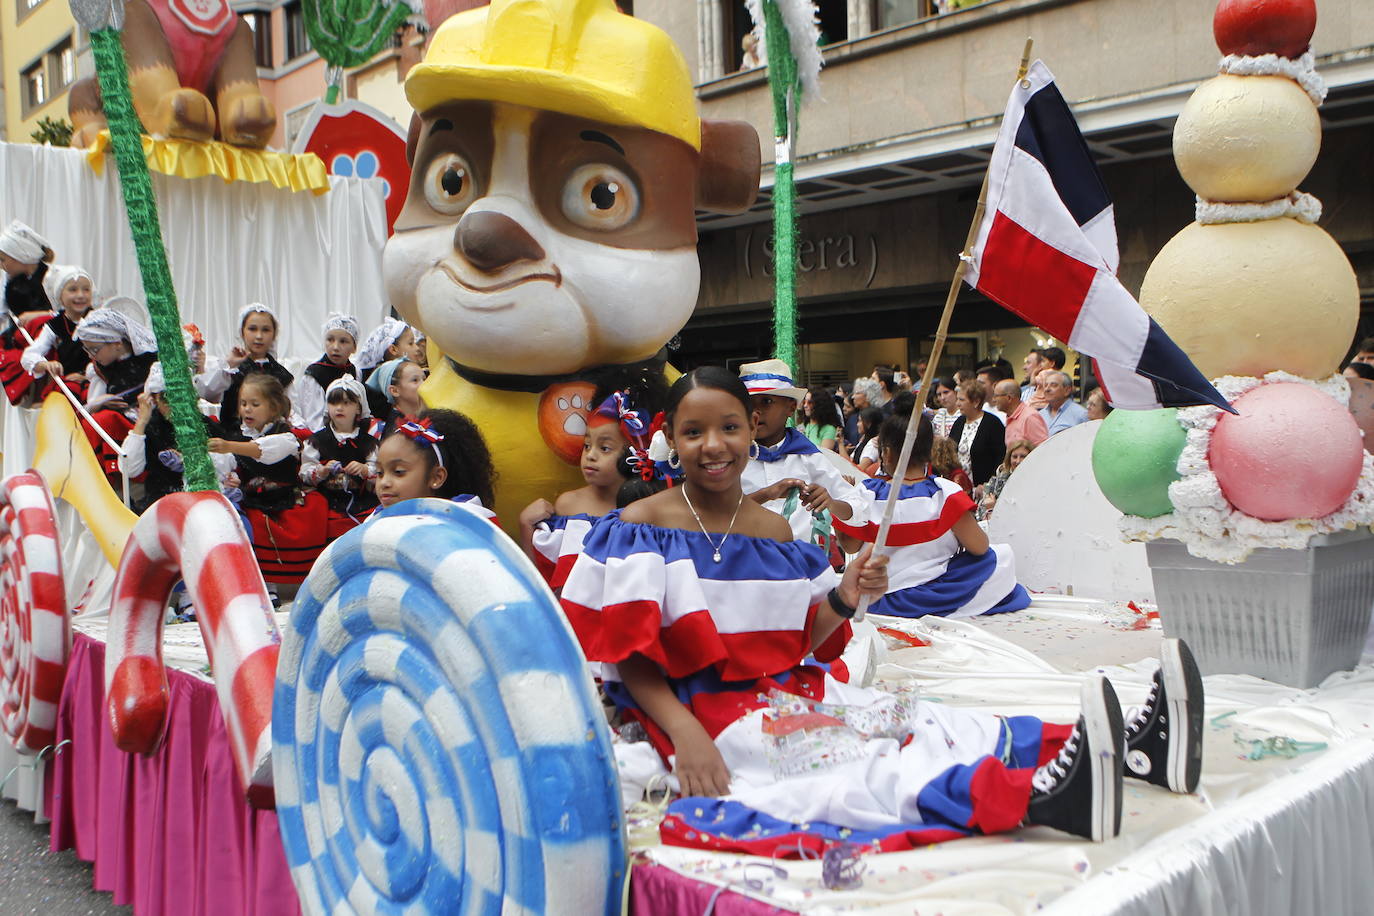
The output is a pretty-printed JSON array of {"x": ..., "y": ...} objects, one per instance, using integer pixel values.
[
  {"x": 269, "y": 487},
  {"x": 229, "y": 404},
  {"x": 25, "y": 293},
  {"x": 126, "y": 376},
  {"x": 160, "y": 479},
  {"x": 70, "y": 353},
  {"x": 326, "y": 373},
  {"x": 359, "y": 448}
]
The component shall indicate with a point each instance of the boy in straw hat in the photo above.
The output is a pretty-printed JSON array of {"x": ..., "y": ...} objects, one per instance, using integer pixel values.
[{"x": 784, "y": 460}]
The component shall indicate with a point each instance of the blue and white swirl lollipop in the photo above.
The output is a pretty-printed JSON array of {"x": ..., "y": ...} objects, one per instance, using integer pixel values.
[{"x": 438, "y": 746}]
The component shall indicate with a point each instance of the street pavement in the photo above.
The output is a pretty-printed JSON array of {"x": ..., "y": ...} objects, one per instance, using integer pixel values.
[{"x": 35, "y": 881}]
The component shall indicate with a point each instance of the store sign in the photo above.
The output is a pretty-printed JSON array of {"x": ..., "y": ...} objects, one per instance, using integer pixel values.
[{"x": 854, "y": 256}]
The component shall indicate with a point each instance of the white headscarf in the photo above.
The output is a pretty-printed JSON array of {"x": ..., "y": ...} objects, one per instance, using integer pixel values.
[
  {"x": 22, "y": 243},
  {"x": 339, "y": 322},
  {"x": 373, "y": 350},
  {"x": 352, "y": 386},
  {"x": 156, "y": 383},
  {"x": 107, "y": 325},
  {"x": 58, "y": 276}
]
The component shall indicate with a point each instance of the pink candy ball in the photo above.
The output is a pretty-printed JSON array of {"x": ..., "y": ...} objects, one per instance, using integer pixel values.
[{"x": 1292, "y": 452}]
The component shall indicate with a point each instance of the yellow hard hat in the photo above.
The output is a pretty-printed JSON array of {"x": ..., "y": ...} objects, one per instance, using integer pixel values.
[{"x": 578, "y": 57}]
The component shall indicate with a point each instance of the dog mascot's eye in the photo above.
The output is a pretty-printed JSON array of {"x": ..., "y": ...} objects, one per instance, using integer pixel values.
[
  {"x": 598, "y": 196},
  {"x": 449, "y": 185}
]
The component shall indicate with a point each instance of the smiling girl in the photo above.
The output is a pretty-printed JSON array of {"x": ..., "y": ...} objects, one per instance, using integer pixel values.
[
  {"x": 55, "y": 351},
  {"x": 705, "y": 615},
  {"x": 440, "y": 454}
]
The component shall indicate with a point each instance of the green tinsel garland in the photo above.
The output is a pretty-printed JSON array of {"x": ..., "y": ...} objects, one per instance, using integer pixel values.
[
  {"x": 786, "y": 90},
  {"x": 141, "y": 206}
]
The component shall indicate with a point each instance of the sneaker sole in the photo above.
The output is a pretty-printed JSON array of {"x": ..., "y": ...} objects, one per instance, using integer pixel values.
[
  {"x": 1183, "y": 687},
  {"x": 1106, "y": 734}
]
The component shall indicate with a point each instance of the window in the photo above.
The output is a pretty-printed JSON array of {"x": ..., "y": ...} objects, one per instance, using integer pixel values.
[
  {"x": 260, "y": 22},
  {"x": 27, "y": 6},
  {"x": 35, "y": 85},
  {"x": 297, "y": 39},
  {"x": 64, "y": 58},
  {"x": 832, "y": 14},
  {"x": 896, "y": 12}
]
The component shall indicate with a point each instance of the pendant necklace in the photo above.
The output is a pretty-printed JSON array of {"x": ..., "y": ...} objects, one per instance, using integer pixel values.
[{"x": 715, "y": 549}]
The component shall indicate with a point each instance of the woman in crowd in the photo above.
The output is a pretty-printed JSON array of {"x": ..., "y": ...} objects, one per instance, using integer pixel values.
[
  {"x": 943, "y": 399},
  {"x": 981, "y": 437},
  {"x": 992, "y": 490},
  {"x": 820, "y": 420}
]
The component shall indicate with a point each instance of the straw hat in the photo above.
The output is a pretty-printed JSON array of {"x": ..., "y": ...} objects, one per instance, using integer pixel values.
[{"x": 770, "y": 376}]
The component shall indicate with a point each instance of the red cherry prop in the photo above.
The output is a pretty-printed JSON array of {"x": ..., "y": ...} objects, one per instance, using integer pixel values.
[{"x": 1255, "y": 27}]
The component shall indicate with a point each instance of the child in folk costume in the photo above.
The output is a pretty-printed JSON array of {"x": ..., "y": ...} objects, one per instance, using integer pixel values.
[
  {"x": 783, "y": 460},
  {"x": 941, "y": 561},
  {"x": 258, "y": 327},
  {"x": 701, "y": 610},
  {"x": 288, "y": 528},
  {"x": 392, "y": 339},
  {"x": 615, "y": 451},
  {"x": 122, "y": 351},
  {"x": 341, "y": 459},
  {"x": 24, "y": 258},
  {"x": 398, "y": 381},
  {"x": 55, "y": 351},
  {"x": 340, "y": 340},
  {"x": 439, "y": 454},
  {"x": 150, "y": 450}
]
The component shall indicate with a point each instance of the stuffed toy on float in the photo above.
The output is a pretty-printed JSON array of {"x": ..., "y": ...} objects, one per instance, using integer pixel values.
[
  {"x": 182, "y": 54},
  {"x": 1265, "y": 302},
  {"x": 548, "y": 242}
]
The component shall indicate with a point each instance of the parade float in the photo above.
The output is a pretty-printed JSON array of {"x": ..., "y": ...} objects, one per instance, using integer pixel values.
[
  {"x": 420, "y": 733},
  {"x": 1258, "y": 523}
]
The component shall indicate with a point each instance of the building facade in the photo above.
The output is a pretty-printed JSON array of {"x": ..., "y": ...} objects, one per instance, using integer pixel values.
[
  {"x": 892, "y": 157},
  {"x": 40, "y": 47}
]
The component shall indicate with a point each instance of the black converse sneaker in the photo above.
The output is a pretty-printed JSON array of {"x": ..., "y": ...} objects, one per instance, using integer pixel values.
[
  {"x": 1079, "y": 791},
  {"x": 1164, "y": 737}
]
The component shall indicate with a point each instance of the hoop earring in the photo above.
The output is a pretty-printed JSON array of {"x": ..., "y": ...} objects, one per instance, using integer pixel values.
[
  {"x": 674, "y": 461},
  {"x": 754, "y": 451}
]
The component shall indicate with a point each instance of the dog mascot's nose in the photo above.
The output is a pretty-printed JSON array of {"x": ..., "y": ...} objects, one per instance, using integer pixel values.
[{"x": 491, "y": 241}]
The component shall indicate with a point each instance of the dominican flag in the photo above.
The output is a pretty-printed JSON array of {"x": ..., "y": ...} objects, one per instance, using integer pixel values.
[{"x": 1046, "y": 250}]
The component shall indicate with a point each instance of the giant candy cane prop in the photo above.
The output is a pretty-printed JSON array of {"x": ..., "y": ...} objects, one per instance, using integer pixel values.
[
  {"x": 196, "y": 537},
  {"x": 35, "y": 632}
]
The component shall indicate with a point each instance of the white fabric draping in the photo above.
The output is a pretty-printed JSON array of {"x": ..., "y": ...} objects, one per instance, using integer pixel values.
[
  {"x": 227, "y": 243},
  {"x": 1269, "y": 836}
]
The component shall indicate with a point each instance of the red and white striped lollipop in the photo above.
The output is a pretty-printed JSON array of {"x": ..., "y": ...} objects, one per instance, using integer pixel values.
[
  {"x": 196, "y": 537},
  {"x": 35, "y": 631}
]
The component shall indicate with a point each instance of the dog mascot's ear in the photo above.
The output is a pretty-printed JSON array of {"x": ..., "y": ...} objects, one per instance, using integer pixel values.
[{"x": 728, "y": 172}]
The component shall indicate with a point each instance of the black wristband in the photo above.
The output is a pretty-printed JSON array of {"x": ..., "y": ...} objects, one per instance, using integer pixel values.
[{"x": 838, "y": 605}]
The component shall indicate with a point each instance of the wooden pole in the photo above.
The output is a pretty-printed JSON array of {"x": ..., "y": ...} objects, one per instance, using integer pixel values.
[{"x": 937, "y": 348}]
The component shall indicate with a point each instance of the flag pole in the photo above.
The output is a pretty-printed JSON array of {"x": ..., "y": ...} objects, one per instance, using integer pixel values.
[{"x": 936, "y": 349}]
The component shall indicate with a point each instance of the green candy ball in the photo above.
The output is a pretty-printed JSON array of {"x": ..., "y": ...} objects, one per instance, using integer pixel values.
[{"x": 1135, "y": 458}]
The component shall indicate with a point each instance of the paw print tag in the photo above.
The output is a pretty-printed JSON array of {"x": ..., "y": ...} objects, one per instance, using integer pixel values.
[{"x": 563, "y": 410}]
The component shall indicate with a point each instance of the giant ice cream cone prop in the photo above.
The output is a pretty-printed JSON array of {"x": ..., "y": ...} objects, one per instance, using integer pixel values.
[{"x": 1265, "y": 303}]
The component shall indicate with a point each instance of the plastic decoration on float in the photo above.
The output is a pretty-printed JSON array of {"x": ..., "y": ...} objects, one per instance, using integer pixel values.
[
  {"x": 438, "y": 744},
  {"x": 35, "y": 630},
  {"x": 196, "y": 538},
  {"x": 103, "y": 20},
  {"x": 348, "y": 33},
  {"x": 1231, "y": 288},
  {"x": 537, "y": 292},
  {"x": 791, "y": 43}
]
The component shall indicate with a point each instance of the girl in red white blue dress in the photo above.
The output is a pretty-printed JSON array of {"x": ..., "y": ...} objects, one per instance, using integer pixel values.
[
  {"x": 703, "y": 615},
  {"x": 615, "y": 451},
  {"x": 942, "y": 562}
]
